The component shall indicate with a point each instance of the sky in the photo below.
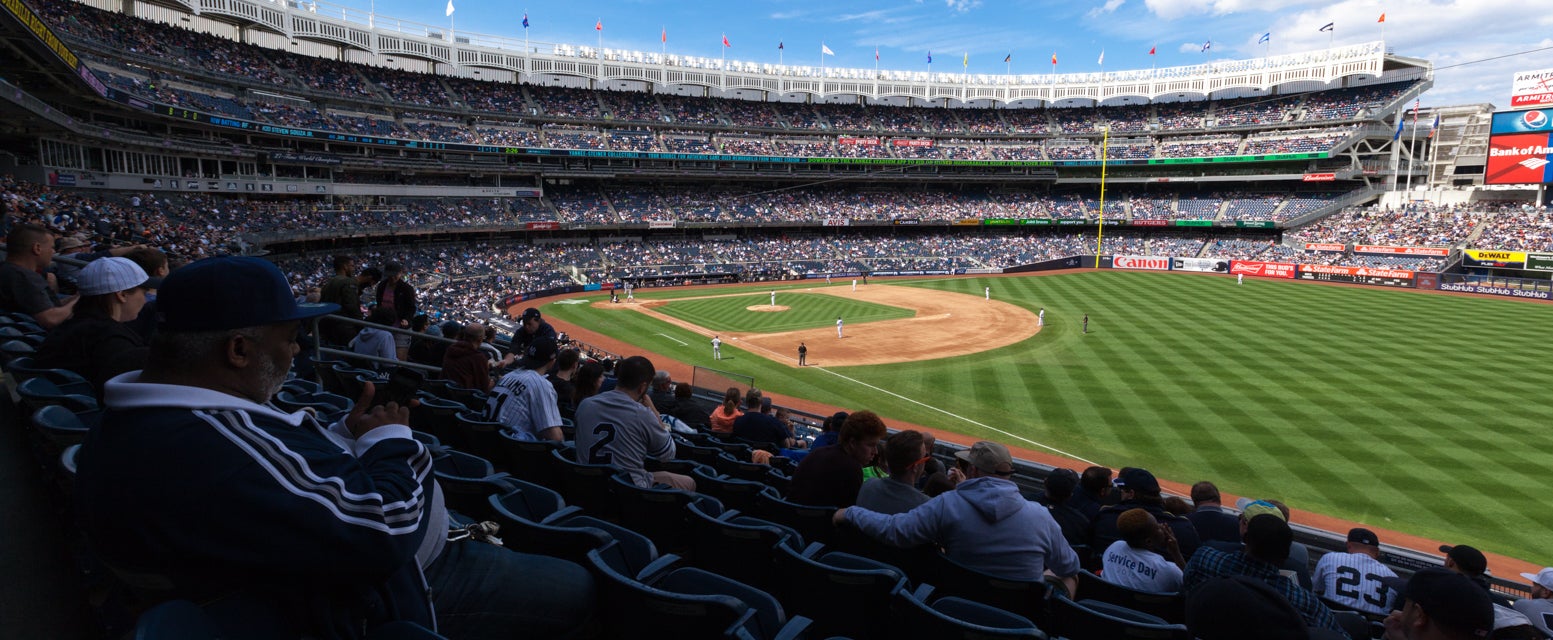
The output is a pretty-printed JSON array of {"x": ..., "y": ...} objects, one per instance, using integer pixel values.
[{"x": 1446, "y": 32}]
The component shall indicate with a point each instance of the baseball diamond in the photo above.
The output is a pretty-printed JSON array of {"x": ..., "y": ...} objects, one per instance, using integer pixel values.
[{"x": 1372, "y": 405}]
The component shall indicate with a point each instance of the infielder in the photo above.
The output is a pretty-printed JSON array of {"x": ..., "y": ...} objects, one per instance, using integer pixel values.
[
  {"x": 838, "y": 326},
  {"x": 630, "y": 293},
  {"x": 773, "y": 297},
  {"x": 1240, "y": 278},
  {"x": 854, "y": 285},
  {"x": 1355, "y": 578},
  {"x": 1040, "y": 318},
  {"x": 803, "y": 354},
  {"x": 988, "y": 292},
  {"x": 717, "y": 348}
]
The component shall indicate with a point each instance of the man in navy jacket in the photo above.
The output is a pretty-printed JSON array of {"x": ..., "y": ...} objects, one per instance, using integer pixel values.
[{"x": 193, "y": 486}]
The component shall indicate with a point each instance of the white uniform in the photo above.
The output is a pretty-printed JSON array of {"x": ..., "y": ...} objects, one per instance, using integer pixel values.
[
  {"x": 717, "y": 348},
  {"x": 524, "y": 402},
  {"x": 1240, "y": 278},
  {"x": 630, "y": 293},
  {"x": 1040, "y": 319},
  {"x": 614, "y": 429},
  {"x": 1140, "y": 569},
  {"x": 838, "y": 327},
  {"x": 854, "y": 285},
  {"x": 827, "y": 278},
  {"x": 773, "y": 298},
  {"x": 1353, "y": 579},
  {"x": 988, "y": 293}
]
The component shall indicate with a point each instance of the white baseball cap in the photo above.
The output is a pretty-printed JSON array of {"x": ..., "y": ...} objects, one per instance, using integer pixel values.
[
  {"x": 109, "y": 275},
  {"x": 1543, "y": 577}
]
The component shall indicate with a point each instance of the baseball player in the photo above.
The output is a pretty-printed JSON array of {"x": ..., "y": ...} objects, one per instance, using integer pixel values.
[
  {"x": 621, "y": 427},
  {"x": 988, "y": 292},
  {"x": 1355, "y": 578},
  {"x": 773, "y": 297},
  {"x": 838, "y": 326},
  {"x": 1086, "y": 323},
  {"x": 524, "y": 402},
  {"x": 827, "y": 278},
  {"x": 1240, "y": 278},
  {"x": 803, "y": 354},
  {"x": 614, "y": 296},
  {"x": 717, "y": 348},
  {"x": 1040, "y": 318},
  {"x": 630, "y": 293},
  {"x": 854, "y": 285}
]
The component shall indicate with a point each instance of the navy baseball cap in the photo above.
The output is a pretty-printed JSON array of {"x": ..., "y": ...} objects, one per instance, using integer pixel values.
[
  {"x": 540, "y": 351},
  {"x": 531, "y": 314},
  {"x": 231, "y": 292},
  {"x": 1363, "y": 536},
  {"x": 1139, "y": 480}
]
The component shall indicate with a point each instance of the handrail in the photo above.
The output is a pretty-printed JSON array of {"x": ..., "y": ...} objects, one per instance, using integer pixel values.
[{"x": 319, "y": 350}]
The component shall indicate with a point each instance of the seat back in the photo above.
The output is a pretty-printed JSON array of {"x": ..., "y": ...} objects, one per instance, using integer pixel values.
[
  {"x": 734, "y": 494},
  {"x": 40, "y": 392},
  {"x": 481, "y": 437},
  {"x": 59, "y": 425},
  {"x": 845, "y": 595},
  {"x": 813, "y": 523},
  {"x": 1026, "y": 598},
  {"x": 658, "y": 514},
  {"x": 635, "y": 606},
  {"x": 1095, "y": 620},
  {"x": 732, "y": 467},
  {"x": 467, "y": 483},
  {"x": 529, "y": 459},
  {"x": 439, "y": 418},
  {"x": 912, "y": 617},
  {"x": 696, "y": 453},
  {"x": 587, "y": 485},
  {"x": 737, "y": 546},
  {"x": 12, "y": 349},
  {"x": 1170, "y": 607}
]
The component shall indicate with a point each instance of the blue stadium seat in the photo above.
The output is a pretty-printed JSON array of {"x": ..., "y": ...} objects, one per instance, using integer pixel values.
[
  {"x": 480, "y": 437},
  {"x": 175, "y": 620},
  {"x": 1028, "y": 599},
  {"x": 842, "y": 593},
  {"x": 738, "y": 546},
  {"x": 68, "y": 381},
  {"x": 951, "y": 618},
  {"x": 529, "y": 460},
  {"x": 1170, "y": 607},
  {"x": 1095, "y": 620},
  {"x": 60, "y": 426},
  {"x": 587, "y": 485},
  {"x": 813, "y": 523},
  {"x": 439, "y": 418},
  {"x": 685, "y": 450},
  {"x": 734, "y": 494},
  {"x": 658, "y": 513},
  {"x": 536, "y": 520},
  {"x": 67, "y": 461},
  {"x": 690, "y": 602},
  {"x": 13, "y": 349},
  {"x": 37, "y": 393}
]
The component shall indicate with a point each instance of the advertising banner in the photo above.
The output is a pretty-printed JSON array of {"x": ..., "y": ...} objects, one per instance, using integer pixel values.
[
  {"x": 660, "y": 224},
  {"x": 1037, "y": 221},
  {"x": 907, "y": 222},
  {"x": 836, "y": 222},
  {"x": 912, "y": 143},
  {"x": 861, "y": 142},
  {"x": 541, "y": 226},
  {"x": 1529, "y": 89},
  {"x": 1150, "y": 223},
  {"x": 1520, "y": 148},
  {"x": 1437, "y": 252},
  {"x": 1359, "y": 275},
  {"x": 1539, "y": 261},
  {"x": 1495, "y": 259},
  {"x": 1263, "y": 269},
  {"x": 1467, "y": 287},
  {"x": 1148, "y": 263},
  {"x": 991, "y": 222},
  {"x": 1194, "y": 223},
  {"x": 1206, "y": 265},
  {"x": 967, "y": 223},
  {"x": 1325, "y": 246},
  {"x": 1320, "y": 177},
  {"x": 1427, "y": 280}
]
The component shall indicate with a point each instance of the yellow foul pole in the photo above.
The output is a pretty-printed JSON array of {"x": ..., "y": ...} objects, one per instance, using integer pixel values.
[{"x": 1105, "y": 142}]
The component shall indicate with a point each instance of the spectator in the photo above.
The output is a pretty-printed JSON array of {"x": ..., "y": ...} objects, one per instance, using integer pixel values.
[
  {"x": 1539, "y": 607},
  {"x": 830, "y": 430},
  {"x": 153, "y": 261},
  {"x": 983, "y": 524},
  {"x": 1470, "y": 562},
  {"x": 1355, "y": 578},
  {"x": 1060, "y": 485},
  {"x": 1238, "y": 607},
  {"x": 424, "y": 350},
  {"x": 1093, "y": 486},
  {"x": 1266, "y": 548},
  {"x": 620, "y": 427},
  {"x": 688, "y": 408},
  {"x": 723, "y": 417},
  {"x": 464, "y": 364},
  {"x": 531, "y": 326},
  {"x": 29, "y": 250},
  {"x": 588, "y": 381},
  {"x": 566, "y": 363},
  {"x": 396, "y": 294},
  {"x": 663, "y": 392},
  {"x": 1147, "y": 557},
  {"x": 1439, "y": 604},
  {"x": 1211, "y": 520},
  {"x": 95, "y": 342},
  {"x": 1298, "y": 563},
  {"x": 372, "y": 341},
  {"x": 758, "y": 427},
  {"x": 344, "y": 291},
  {"x": 897, "y": 493},
  {"x": 1139, "y": 490},
  {"x": 328, "y": 532},
  {"x": 523, "y": 401},
  {"x": 833, "y": 476}
]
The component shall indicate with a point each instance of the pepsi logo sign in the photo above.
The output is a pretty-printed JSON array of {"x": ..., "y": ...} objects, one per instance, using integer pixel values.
[{"x": 1535, "y": 119}]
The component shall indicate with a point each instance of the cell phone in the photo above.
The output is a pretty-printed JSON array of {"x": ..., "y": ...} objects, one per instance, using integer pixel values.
[{"x": 403, "y": 384}]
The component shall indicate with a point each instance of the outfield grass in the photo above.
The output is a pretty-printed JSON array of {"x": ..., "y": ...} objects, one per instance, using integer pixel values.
[
  {"x": 1420, "y": 413},
  {"x": 805, "y": 311}
]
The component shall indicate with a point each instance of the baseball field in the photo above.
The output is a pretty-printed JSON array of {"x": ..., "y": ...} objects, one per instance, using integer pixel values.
[{"x": 1420, "y": 413}]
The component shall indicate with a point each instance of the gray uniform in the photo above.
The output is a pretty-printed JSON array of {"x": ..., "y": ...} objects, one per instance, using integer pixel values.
[
  {"x": 614, "y": 429},
  {"x": 524, "y": 402}
]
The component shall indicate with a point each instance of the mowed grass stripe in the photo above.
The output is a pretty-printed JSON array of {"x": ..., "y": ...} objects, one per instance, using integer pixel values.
[
  {"x": 805, "y": 311},
  {"x": 1415, "y": 412}
]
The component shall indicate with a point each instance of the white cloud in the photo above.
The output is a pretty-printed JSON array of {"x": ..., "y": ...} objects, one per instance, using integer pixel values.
[
  {"x": 788, "y": 15},
  {"x": 1190, "y": 47},
  {"x": 1172, "y": 9},
  {"x": 962, "y": 6},
  {"x": 1110, "y": 6}
]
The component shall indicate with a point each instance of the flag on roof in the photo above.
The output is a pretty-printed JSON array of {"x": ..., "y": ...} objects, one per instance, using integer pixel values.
[
  {"x": 1266, "y": 37},
  {"x": 725, "y": 40},
  {"x": 1207, "y": 45},
  {"x": 1382, "y": 18},
  {"x": 1054, "y": 59},
  {"x": 1328, "y": 26},
  {"x": 779, "y": 45},
  {"x": 1009, "y": 57},
  {"x": 930, "y": 57},
  {"x": 966, "y": 61},
  {"x": 525, "y": 21},
  {"x": 876, "y": 54},
  {"x": 1151, "y": 50},
  {"x": 1400, "y": 119},
  {"x": 597, "y": 26},
  {"x": 824, "y": 50},
  {"x": 1434, "y": 127},
  {"x": 450, "y": 8},
  {"x": 1102, "y": 57}
]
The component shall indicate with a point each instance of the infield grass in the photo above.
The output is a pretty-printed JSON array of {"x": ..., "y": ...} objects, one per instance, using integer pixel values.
[
  {"x": 1421, "y": 413},
  {"x": 805, "y": 311}
]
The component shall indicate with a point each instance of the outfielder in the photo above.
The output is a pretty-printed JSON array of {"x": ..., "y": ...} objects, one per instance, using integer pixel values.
[
  {"x": 1240, "y": 278},
  {"x": 717, "y": 348},
  {"x": 1086, "y": 323},
  {"x": 838, "y": 326},
  {"x": 1040, "y": 318},
  {"x": 988, "y": 292}
]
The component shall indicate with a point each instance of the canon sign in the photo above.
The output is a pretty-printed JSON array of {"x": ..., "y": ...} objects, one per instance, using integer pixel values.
[{"x": 1152, "y": 263}]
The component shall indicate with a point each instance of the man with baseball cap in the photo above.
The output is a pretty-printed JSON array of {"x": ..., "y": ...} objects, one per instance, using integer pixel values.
[
  {"x": 1539, "y": 607},
  {"x": 1355, "y": 578},
  {"x": 1439, "y": 604},
  {"x": 1267, "y": 540},
  {"x": 1140, "y": 490},
  {"x": 531, "y": 326},
  {"x": 524, "y": 401},
  {"x": 984, "y": 523},
  {"x": 198, "y": 488},
  {"x": 95, "y": 342},
  {"x": 1470, "y": 562}
]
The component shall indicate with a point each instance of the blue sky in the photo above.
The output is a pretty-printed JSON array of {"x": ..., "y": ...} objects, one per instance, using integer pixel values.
[{"x": 903, "y": 31}]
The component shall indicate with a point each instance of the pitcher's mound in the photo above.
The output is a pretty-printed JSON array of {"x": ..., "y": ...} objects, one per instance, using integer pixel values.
[{"x": 767, "y": 307}]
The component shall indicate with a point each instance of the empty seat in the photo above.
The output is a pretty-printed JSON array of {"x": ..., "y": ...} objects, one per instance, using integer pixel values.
[
  {"x": 738, "y": 546},
  {"x": 740, "y": 469},
  {"x": 1170, "y": 607},
  {"x": 60, "y": 426},
  {"x": 948, "y": 618},
  {"x": 479, "y": 436},
  {"x": 439, "y": 418},
  {"x": 529, "y": 459},
  {"x": 657, "y": 513},
  {"x": 842, "y": 593},
  {"x": 587, "y": 485},
  {"x": 813, "y": 523},
  {"x": 1026, "y": 598},
  {"x": 68, "y": 381},
  {"x": 1095, "y": 620},
  {"x": 37, "y": 393},
  {"x": 734, "y": 494}
]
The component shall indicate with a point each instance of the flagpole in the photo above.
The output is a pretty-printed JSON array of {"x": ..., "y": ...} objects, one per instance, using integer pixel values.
[
  {"x": 601, "y": 39},
  {"x": 1412, "y": 150},
  {"x": 1105, "y": 140},
  {"x": 525, "y": 33}
]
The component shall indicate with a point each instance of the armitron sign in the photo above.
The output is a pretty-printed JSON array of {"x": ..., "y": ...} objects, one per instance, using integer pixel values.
[
  {"x": 1531, "y": 89},
  {"x": 1151, "y": 263}
]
